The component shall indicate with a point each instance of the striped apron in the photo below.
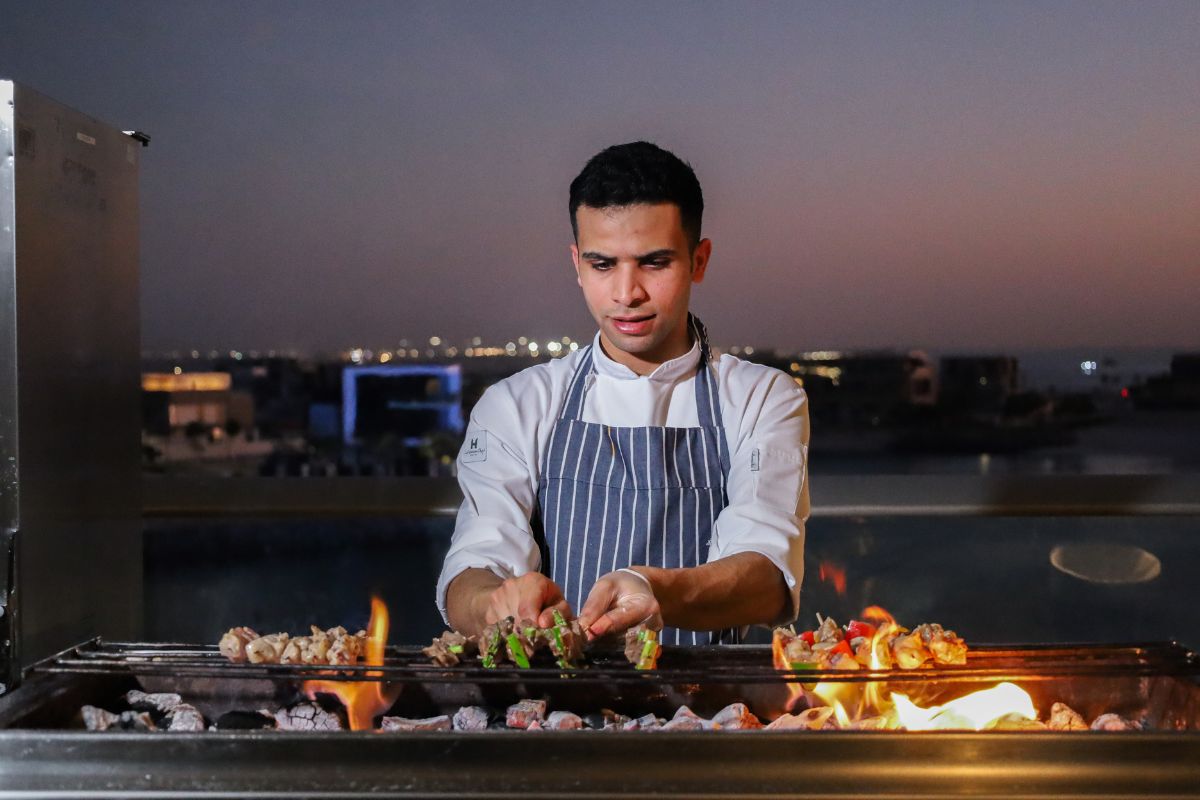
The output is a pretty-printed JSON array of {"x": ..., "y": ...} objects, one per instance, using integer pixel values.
[{"x": 612, "y": 497}]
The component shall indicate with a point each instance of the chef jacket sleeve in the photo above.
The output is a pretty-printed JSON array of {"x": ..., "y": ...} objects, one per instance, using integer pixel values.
[
  {"x": 499, "y": 491},
  {"x": 768, "y": 480}
]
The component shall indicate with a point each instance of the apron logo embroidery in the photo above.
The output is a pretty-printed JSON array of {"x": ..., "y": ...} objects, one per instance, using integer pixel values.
[
  {"x": 754, "y": 463},
  {"x": 475, "y": 448}
]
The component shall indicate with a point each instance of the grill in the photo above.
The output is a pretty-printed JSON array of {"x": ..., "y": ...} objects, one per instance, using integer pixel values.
[{"x": 1157, "y": 682}]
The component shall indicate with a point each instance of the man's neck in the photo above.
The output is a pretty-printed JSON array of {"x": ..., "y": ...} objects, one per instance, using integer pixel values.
[{"x": 644, "y": 364}]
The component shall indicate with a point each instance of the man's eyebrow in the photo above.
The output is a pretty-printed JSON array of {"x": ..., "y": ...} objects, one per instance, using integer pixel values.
[
  {"x": 653, "y": 254},
  {"x": 592, "y": 255}
]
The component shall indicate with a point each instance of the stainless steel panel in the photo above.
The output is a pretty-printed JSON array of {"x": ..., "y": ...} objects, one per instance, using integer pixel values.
[{"x": 69, "y": 349}]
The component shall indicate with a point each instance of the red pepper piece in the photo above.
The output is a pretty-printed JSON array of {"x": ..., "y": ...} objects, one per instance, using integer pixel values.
[
  {"x": 810, "y": 637},
  {"x": 856, "y": 629}
]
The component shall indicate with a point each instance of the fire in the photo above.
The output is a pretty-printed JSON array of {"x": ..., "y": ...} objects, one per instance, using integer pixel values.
[
  {"x": 835, "y": 574},
  {"x": 870, "y": 704},
  {"x": 975, "y": 711},
  {"x": 364, "y": 700}
]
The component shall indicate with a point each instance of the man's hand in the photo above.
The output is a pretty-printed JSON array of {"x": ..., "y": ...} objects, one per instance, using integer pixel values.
[
  {"x": 618, "y": 601},
  {"x": 531, "y": 596}
]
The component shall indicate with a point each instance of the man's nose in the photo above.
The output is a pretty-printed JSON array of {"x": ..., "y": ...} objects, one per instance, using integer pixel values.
[{"x": 628, "y": 290}]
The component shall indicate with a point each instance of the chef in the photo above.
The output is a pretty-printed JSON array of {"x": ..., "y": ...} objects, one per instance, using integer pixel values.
[{"x": 644, "y": 477}]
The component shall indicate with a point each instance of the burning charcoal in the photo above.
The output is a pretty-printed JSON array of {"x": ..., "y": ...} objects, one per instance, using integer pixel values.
[
  {"x": 450, "y": 648},
  {"x": 881, "y": 723},
  {"x": 405, "y": 725},
  {"x": 345, "y": 648},
  {"x": 642, "y": 648},
  {"x": 536, "y": 725},
  {"x": 734, "y": 717},
  {"x": 244, "y": 721},
  {"x": 161, "y": 702},
  {"x": 471, "y": 718},
  {"x": 649, "y": 722},
  {"x": 525, "y": 712},
  {"x": 267, "y": 649},
  {"x": 307, "y": 717},
  {"x": 684, "y": 724},
  {"x": 946, "y": 646},
  {"x": 97, "y": 719},
  {"x": 812, "y": 719},
  {"x": 1065, "y": 718},
  {"x": 909, "y": 651},
  {"x": 563, "y": 721},
  {"x": 1015, "y": 722},
  {"x": 137, "y": 721},
  {"x": 233, "y": 643},
  {"x": 1113, "y": 722},
  {"x": 184, "y": 717},
  {"x": 685, "y": 713}
]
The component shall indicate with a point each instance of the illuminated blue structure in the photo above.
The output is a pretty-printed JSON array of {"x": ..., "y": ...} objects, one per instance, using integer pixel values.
[{"x": 410, "y": 401}]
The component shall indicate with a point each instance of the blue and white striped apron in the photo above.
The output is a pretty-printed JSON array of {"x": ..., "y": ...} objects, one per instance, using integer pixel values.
[{"x": 612, "y": 497}]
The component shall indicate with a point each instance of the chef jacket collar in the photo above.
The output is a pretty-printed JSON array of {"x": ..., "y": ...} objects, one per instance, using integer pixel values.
[{"x": 672, "y": 371}]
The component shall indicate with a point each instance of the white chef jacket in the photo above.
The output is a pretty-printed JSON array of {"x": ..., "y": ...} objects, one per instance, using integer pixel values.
[{"x": 765, "y": 415}]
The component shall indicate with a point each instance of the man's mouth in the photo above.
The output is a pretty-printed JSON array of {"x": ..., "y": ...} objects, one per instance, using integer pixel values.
[{"x": 633, "y": 324}]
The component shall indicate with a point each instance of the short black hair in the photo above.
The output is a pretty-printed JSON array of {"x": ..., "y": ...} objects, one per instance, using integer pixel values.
[{"x": 639, "y": 172}]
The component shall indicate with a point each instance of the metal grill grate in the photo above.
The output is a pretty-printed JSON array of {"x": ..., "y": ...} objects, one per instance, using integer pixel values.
[{"x": 737, "y": 664}]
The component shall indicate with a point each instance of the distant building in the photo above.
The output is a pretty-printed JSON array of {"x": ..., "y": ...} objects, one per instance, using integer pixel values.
[
  {"x": 173, "y": 402},
  {"x": 1178, "y": 389},
  {"x": 977, "y": 384},
  {"x": 862, "y": 389},
  {"x": 409, "y": 402}
]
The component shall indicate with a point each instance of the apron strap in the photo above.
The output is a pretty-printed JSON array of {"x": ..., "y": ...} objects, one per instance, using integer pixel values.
[
  {"x": 572, "y": 407},
  {"x": 708, "y": 403}
]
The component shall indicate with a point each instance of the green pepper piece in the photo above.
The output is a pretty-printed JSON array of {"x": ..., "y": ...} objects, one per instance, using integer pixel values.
[
  {"x": 517, "y": 651},
  {"x": 455, "y": 648},
  {"x": 647, "y": 654},
  {"x": 558, "y": 618}
]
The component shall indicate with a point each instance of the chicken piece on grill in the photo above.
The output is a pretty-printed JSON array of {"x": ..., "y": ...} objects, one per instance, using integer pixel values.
[
  {"x": 828, "y": 631},
  {"x": 267, "y": 649},
  {"x": 451, "y": 648},
  {"x": 735, "y": 717},
  {"x": 312, "y": 649},
  {"x": 233, "y": 643},
  {"x": 642, "y": 647},
  {"x": 946, "y": 646},
  {"x": 345, "y": 648},
  {"x": 909, "y": 650},
  {"x": 522, "y": 713}
]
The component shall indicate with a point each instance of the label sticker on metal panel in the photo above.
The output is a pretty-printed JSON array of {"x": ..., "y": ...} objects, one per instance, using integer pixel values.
[
  {"x": 475, "y": 447},
  {"x": 83, "y": 137}
]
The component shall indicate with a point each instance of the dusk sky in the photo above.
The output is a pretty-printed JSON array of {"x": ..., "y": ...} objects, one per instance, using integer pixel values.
[{"x": 997, "y": 175}]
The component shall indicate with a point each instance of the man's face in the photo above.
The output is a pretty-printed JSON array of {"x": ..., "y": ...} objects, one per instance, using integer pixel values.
[{"x": 636, "y": 272}]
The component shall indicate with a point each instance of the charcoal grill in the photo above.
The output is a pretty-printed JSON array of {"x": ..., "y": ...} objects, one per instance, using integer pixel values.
[{"x": 1157, "y": 682}]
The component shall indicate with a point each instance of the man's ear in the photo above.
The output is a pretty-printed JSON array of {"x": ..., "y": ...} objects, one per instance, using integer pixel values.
[
  {"x": 575, "y": 261},
  {"x": 700, "y": 258}
]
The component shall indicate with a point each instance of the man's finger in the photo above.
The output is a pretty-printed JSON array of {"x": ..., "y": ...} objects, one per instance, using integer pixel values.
[
  {"x": 546, "y": 619},
  {"x": 598, "y": 600},
  {"x": 618, "y": 619}
]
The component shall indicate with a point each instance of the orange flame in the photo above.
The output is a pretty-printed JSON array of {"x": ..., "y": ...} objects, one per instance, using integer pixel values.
[
  {"x": 835, "y": 574},
  {"x": 855, "y": 702},
  {"x": 364, "y": 700}
]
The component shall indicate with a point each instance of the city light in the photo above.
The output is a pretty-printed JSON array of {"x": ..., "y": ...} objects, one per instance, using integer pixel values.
[
  {"x": 1088, "y": 367},
  {"x": 435, "y": 340}
]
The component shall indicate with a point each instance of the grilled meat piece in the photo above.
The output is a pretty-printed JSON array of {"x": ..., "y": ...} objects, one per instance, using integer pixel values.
[
  {"x": 734, "y": 717},
  {"x": 1065, "y": 718},
  {"x": 233, "y": 643},
  {"x": 565, "y": 640},
  {"x": 451, "y": 648},
  {"x": 492, "y": 644},
  {"x": 345, "y": 648},
  {"x": 946, "y": 646},
  {"x": 909, "y": 650},
  {"x": 312, "y": 649},
  {"x": 405, "y": 725},
  {"x": 522, "y": 713},
  {"x": 521, "y": 642},
  {"x": 642, "y": 648},
  {"x": 470, "y": 718},
  {"x": 267, "y": 649},
  {"x": 828, "y": 631}
]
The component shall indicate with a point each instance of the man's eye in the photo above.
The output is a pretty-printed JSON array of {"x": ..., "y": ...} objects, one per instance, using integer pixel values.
[
  {"x": 601, "y": 265},
  {"x": 659, "y": 263}
]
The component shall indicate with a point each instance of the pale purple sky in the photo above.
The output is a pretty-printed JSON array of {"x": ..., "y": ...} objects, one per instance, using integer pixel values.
[{"x": 996, "y": 175}]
